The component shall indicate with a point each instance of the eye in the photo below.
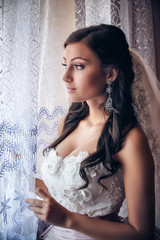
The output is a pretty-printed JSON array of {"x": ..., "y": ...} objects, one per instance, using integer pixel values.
[
  {"x": 79, "y": 66},
  {"x": 64, "y": 65}
]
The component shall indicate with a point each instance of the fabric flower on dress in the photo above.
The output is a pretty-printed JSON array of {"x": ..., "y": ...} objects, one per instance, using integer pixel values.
[
  {"x": 84, "y": 195},
  {"x": 80, "y": 196},
  {"x": 50, "y": 157},
  {"x": 71, "y": 167}
]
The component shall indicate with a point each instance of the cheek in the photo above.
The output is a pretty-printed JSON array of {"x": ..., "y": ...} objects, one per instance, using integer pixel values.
[{"x": 93, "y": 84}]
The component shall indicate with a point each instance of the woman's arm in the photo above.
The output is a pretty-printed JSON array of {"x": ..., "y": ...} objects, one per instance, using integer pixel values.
[
  {"x": 139, "y": 189},
  {"x": 138, "y": 167}
]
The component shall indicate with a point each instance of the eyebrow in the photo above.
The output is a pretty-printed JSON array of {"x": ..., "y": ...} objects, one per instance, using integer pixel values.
[{"x": 76, "y": 58}]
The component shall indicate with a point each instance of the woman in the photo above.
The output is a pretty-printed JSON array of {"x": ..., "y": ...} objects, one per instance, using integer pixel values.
[{"x": 101, "y": 155}]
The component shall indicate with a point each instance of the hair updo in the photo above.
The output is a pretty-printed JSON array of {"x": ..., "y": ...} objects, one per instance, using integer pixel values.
[{"x": 109, "y": 44}]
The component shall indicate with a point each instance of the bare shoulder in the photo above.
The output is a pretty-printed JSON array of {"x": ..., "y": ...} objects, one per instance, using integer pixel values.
[
  {"x": 61, "y": 125},
  {"x": 135, "y": 137},
  {"x": 135, "y": 148}
]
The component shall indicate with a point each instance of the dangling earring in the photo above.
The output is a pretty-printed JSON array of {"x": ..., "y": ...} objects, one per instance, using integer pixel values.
[{"x": 108, "y": 104}]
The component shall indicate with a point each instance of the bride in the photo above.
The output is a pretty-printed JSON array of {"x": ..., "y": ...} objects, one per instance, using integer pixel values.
[{"x": 102, "y": 155}]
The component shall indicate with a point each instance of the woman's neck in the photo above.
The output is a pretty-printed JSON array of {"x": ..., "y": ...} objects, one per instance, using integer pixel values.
[{"x": 96, "y": 113}]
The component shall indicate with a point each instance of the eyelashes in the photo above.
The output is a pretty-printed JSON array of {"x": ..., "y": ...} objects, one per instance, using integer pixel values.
[
  {"x": 64, "y": 65},
  {"x": 76, "y": 66}
]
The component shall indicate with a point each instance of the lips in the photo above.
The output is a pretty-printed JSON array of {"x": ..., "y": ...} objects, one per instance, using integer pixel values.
[{"x": 70, "y": 89}]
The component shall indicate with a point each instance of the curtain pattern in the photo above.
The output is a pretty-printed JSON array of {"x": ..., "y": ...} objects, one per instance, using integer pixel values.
[
  {"x": 133, "y": 17},
  {"x": 19, "y": 43}
]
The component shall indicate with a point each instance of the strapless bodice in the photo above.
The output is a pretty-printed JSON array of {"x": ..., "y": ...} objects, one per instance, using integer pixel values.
[{"x": 62, "y": 178}]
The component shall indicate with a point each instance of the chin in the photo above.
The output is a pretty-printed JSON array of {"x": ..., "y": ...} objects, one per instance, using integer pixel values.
[{"x": 74, "y": 100}]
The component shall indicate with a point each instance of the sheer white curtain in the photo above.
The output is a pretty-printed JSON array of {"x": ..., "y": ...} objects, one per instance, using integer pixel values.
[
  {"x": 133, "y": 17},
  {"x": 19, "y": 51},
  {"x": 32, "y": 99}
]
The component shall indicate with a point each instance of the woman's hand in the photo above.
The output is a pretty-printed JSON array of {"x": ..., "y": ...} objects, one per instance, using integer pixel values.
[{"x": 49, "y": 210}]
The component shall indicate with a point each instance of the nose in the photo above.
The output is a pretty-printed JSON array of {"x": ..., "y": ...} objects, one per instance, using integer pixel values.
[{"x": 67, "y": 77}]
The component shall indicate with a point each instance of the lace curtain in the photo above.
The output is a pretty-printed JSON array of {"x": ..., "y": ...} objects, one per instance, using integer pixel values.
[
  {"x": 19, "y": 54},
  {"x": 133, "y": 17},
  {"x": 32, "y": 94}
]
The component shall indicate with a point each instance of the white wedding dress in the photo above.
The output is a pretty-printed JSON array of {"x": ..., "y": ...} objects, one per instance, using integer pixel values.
[{"x": 62, "y": 178}]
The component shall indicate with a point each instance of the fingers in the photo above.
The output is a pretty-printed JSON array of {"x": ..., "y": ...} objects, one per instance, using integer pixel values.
[
  {"x": 42, "y": 194},
  {"x": 45, "y": 208},
  {"x": 36, "y": 210},
  {"x": 34, "y": 202}
]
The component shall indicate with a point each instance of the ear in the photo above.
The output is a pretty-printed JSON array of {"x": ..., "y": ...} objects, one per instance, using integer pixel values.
[{"x": 112, "y": 74}]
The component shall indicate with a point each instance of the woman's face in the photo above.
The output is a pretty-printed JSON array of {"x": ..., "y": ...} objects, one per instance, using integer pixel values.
[{"x": 83, "y": 76}]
